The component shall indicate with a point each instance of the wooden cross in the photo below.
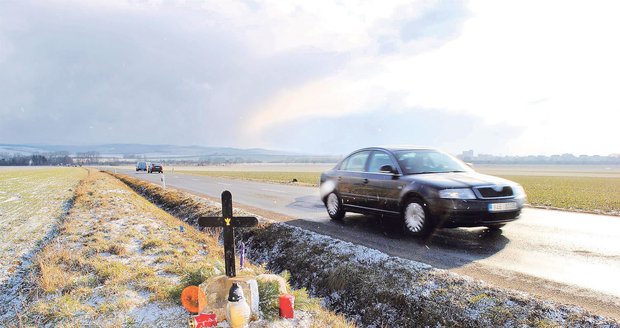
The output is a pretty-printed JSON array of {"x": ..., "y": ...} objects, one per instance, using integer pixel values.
[{"x": 228, "y": 222}]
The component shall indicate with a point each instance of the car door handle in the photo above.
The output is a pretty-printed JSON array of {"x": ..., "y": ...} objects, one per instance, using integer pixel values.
[{"x": 365, "y": 180}]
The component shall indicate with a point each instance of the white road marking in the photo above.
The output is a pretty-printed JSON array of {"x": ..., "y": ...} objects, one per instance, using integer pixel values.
[
  {"x": 225, "y": 184},
  {"x": 273, "y": 190}
]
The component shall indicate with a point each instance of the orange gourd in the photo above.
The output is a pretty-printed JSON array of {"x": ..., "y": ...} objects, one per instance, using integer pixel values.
[{"x": 193, "y": 299}]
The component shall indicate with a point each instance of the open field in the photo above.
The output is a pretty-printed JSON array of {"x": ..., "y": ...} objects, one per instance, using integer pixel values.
[
  {"x": 594, "y": 171},
  {"x": 118, "y": 260},
  {"x": 572, "y": 192},
  {"x": 585, "y": 188},
  {"x": 31, "y": 201},
  {"x": 304, "y": 178}
]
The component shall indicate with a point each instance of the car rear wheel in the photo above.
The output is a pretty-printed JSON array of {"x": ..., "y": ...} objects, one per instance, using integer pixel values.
[
  {"x": 416, "y": 219},
  {"x": 333, "y": 203}
]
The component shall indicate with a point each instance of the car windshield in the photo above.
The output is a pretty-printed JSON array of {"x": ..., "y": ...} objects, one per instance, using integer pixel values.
[{"x": 428, "y": 161}]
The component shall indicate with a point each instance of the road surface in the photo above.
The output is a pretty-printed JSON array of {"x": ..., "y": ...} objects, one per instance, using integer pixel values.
[{"x": 568, "y": 257}]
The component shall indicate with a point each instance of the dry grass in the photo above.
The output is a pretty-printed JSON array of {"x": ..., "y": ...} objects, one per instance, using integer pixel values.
[
  {"x": 95, "y": 270},
  {"x": 302, "y": 178},
  {"x": 105, "y": 267},
  {"x": 183, "y": 205}
]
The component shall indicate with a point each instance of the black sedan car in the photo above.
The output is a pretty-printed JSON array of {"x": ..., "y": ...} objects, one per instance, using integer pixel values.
[
  {"x": 155, "y": 167},
  {"x": 425, "y": 188}
]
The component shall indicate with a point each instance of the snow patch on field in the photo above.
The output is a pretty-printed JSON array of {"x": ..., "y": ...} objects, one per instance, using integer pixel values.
[
  {"x": 114, "y": 191},
  {"x": 30, "y": 206},
  {"x": 12, "y": 199},
  {"x": 159, "y": 315}
]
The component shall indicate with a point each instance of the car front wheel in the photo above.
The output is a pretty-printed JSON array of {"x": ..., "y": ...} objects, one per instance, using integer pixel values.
[
  {"x": 416, "y": 219},
  {"x": 333, "y": 203}
]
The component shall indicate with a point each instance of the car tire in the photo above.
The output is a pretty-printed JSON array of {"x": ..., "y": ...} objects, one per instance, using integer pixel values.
[
  {"x": 416, "y": 218},
  {"x": 333, "y": 204}
]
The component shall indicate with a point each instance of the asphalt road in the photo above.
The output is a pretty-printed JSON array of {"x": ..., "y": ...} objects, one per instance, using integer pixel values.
[{"x": 568, "y": 257}]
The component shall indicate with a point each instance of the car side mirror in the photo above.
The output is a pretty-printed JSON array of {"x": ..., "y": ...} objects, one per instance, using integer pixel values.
[{"x": 387, "y": 169}]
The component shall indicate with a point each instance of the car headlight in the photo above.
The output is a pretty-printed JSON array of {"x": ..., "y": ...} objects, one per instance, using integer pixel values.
[
  {"x": 518, "y": 191},
  {"x": 464, "y": 193}
]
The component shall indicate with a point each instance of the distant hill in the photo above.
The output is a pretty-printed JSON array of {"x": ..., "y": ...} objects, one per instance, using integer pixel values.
[
  {"x": 124, "y": 149},
  {"x": 170, "y": 152}
]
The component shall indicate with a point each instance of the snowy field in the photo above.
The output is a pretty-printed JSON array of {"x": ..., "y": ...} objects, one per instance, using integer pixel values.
[{"x": 31, "y": 200}]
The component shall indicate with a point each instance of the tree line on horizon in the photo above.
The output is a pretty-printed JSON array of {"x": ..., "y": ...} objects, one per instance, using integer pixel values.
[
  {"x": 94, "y": 158},
  {"x": 52, "y": 158},
  {"x": 469, "y": 156}
]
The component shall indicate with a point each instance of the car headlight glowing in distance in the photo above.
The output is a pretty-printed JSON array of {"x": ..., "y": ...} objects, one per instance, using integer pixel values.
[{"x": 464, "y": 193}]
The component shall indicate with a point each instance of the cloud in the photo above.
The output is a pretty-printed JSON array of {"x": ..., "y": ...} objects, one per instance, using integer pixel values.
[
  {"x": 194, "y": 73},
  {"x": 421, "y": 127},
  {"x": 495, "y": 65},
  {"x": 357, "y": 87},
  {"x": 237, "y": 73},
  {"x": 81, "y": 75}
]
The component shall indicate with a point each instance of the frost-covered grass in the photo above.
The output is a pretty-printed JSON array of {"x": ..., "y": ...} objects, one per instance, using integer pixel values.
[
  {"x": 98, "y": 269},
  {"x": 190, "y": 208},
  {"x": 119, "y": 260},
  {"x": 379, "y": 290},
  {"x": 31, "y": 201}
]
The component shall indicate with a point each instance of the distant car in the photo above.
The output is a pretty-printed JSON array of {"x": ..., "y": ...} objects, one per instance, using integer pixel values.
[
  {"x": 155, "y": 167},
  {"x": 422, "y": 187},
  {"x": 141, "y": 166}
]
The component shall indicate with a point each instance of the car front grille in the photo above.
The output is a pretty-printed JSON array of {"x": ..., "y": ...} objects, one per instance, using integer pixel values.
[{"x": 493, "y": 192}]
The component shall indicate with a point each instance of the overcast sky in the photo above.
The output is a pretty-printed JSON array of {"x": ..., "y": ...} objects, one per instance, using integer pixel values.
[{"x": 539, "y": 77}]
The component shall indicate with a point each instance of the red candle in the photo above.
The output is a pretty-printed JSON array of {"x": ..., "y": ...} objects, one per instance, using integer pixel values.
[
  {"x": 203, "y": 320},
  {"x": 287, "y": 306}
]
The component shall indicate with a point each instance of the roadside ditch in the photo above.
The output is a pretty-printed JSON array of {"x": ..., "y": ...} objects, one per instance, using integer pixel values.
[{"x": 370, "y": 287}]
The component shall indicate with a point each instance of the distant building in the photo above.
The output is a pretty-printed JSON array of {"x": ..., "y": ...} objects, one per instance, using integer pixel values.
[
  {"x": 467, "y": 155},
  {"x": 566, "y": 158}
]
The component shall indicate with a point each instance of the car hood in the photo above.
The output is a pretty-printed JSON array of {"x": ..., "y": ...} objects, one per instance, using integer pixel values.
[{"x": 457, "y": 179}]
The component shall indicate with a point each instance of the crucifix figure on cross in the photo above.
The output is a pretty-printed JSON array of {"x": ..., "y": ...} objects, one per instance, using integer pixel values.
[{"x": 228, "y": 222}]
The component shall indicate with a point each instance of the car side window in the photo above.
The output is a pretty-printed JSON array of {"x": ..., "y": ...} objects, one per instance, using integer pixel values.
[
  {"x": 377, "y": 160},
  {"x": 356, "y": 162}
]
